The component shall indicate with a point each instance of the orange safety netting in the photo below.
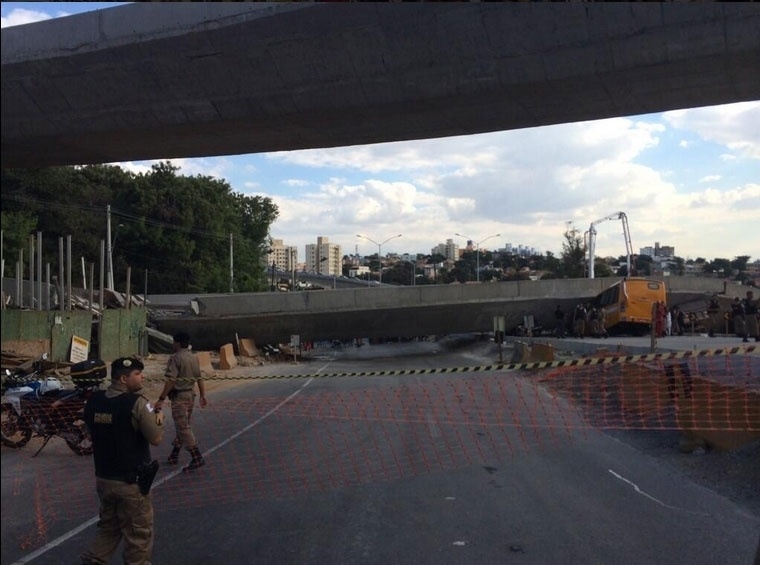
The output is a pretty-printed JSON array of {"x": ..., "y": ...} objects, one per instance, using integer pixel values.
[{"x": 376, "y": 430}]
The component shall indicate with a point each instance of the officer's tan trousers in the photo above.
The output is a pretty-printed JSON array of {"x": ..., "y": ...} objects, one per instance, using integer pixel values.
[
  {"x": 127, "y": 514},
  {"x": 182, "y": 411}
]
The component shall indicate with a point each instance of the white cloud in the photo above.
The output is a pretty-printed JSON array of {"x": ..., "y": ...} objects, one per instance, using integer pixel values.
[
  {"x": 296, "y": 182},
  {"x": 525, "y": 185},
  {"x": 20, "y": 16},
  {"x": 736, "y": 126},
  {"x": 710, "y": 178}
]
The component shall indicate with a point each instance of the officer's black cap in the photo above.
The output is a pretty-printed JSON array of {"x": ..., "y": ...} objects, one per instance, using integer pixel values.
[{"x": 124, "y": 366}]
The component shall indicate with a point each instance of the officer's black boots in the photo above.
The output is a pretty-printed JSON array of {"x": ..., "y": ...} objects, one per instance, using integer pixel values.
[{"x": 198, "y": 460}]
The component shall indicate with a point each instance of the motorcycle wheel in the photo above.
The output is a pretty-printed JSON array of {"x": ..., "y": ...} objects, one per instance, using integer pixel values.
[
  {"x": 78, "y": 441},
  {"x": 12, "y": 431}
]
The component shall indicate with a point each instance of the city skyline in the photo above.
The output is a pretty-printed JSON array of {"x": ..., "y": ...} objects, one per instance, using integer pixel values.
[
  {"x": 285, "y": 253},
  {"x": 688, "y": 178}
]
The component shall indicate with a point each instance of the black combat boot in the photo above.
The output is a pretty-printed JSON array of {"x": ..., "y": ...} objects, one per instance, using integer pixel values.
[
  {"x": 197, "y": 462},
  {"x": 174, "y": 455}
]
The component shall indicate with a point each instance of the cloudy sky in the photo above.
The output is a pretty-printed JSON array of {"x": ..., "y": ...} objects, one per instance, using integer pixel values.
[{"x": 687, "y": 178}]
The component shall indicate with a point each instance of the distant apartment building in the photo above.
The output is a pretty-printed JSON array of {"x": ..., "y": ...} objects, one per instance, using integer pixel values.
[
  {"x": 658, "y": 251},
  {"x": 520, "y": 249},
  {"x": 285, "y": 257},
  {"x": 449, "y": 250},
  {"x": 357, "y": 271},
  {"x": 324, "y": 258},
  {"x": 410, "y": 257}
]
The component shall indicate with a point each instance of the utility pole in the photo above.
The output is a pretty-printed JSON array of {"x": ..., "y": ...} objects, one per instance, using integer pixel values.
[
  {"x": 232, "y": 276},
  {"x": 293, "y": 258},
  {"x": 110, "y": 247}
]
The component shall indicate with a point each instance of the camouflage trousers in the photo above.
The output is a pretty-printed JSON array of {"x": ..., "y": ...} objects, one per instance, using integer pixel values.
[
  {"x": 182, "y": 412},
  {"x": 124, "y": 514}
]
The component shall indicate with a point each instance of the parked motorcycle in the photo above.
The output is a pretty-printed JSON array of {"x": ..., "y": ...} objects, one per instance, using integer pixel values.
[{"x": 33, "y": 405}]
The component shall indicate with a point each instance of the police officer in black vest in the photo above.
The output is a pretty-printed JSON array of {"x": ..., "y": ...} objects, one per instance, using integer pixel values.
[{"x": 123, "y": 425}]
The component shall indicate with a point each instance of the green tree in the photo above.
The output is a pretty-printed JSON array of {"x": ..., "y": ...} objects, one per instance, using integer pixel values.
[
  {"x": 642, "y": 265},
  {"x": 435, "y": 260},
  {"x": 720, "y": 267},
  {"x": 399, "y": 273},
  {"x": 17, "y": 227},
  {"x": 573, "y": 255},
  {"x": 176, "y": 228},
  {"x": 551, "y": 265},
  {"x": 66, "y": 201},
  {"x": 680, "y": 266},
  {"x": 464, "y": 269},
  {"x": 739, "y": 265},
  {"x": 602, "y": 268}
]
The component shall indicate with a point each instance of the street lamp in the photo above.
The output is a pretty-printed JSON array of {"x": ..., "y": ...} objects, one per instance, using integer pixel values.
[
  {"x": 477, "y": 251},
  {"x": 379, "y": 251},
  {"x": 293, "y": 257}
]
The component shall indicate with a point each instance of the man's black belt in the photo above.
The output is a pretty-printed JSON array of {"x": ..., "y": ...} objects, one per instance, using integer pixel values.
[{"x": 129, "y": 479}]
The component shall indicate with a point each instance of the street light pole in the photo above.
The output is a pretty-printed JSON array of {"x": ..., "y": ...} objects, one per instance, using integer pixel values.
[
  {"x": 477, "y": 251},
  {"x": 379, "y": 251},
  {"x": 293, "y": 256}
]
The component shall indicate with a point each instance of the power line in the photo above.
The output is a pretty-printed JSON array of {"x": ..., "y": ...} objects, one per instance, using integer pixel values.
[{"x": 125, "y": 215}]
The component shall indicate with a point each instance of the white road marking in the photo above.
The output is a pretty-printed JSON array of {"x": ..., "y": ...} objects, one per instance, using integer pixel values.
[
  {"x": 652, "y": 498},
  {"x": 92, "y": 521}
]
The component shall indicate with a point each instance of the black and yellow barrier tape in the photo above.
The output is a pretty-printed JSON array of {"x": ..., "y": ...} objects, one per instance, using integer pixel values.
[{"x": 582, "y": 362}]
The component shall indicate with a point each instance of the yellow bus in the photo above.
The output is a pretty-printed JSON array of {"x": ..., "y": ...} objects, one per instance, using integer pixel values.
[{"x": 627, "y": 304}]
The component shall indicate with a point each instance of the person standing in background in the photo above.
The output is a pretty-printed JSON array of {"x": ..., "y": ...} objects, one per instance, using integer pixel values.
[
  {"x": 559, "y": 322},
  {"x": 681, "y": 317},
  {"x": 737, "y": 315},
  {"x": 579, "y": 320},
  {"x": 668, "y": 323},
  {"x": 183, "y": 371},
  {"x": 750, "y": 316}
]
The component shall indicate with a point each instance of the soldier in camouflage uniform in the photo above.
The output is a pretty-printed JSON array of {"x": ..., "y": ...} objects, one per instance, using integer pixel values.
[{"x": 183, "y": 371}]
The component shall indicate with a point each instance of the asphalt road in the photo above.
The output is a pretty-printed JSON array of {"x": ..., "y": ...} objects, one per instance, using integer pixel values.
[{"x": 475, "y": 467}]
